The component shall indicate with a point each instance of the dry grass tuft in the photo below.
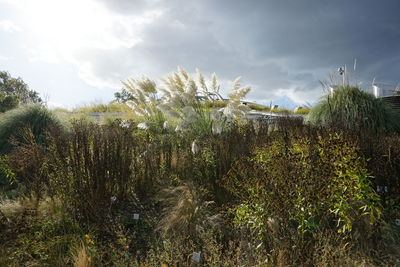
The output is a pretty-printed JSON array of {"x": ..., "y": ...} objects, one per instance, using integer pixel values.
[
  {"x": 182, "y": 211},
  {"x": 81, "y": 257}
]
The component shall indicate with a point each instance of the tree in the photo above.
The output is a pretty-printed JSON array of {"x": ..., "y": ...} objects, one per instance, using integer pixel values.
[
  {"x": 123, "y": 96},
  {"x": 14, "y": 91},
  {"x": 8, "y": 102}
]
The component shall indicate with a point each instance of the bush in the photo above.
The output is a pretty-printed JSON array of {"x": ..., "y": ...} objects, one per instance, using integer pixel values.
[
  {"x": 355, "y": 110},
  {"x": 296, "y": 187},
  {"x": 35, "y": 117},
  {"x": 8, "y": 102}
]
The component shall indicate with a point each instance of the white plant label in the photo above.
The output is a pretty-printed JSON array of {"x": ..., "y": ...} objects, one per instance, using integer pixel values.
[
  {"x": 196, "y": 257},
  {"x": 136, "y": 216}
]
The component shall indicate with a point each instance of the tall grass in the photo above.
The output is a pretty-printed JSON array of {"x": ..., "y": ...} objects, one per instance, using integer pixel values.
[
  {"x": 111, "y": 107},
  {"x": 35, "y": 117},
  {"x": 353, "y": 109}
]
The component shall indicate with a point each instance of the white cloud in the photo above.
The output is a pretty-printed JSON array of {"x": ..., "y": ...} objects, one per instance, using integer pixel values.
[
  {"x": 4, "y": 58},
  {"x": 54, "y": 105},
  {"x": 9, "y": 26},
  {"x": 69, "y": 31}
]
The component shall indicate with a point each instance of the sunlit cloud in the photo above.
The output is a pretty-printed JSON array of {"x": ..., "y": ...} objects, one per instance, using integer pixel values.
[
  {"x": 63, "y": 31},
  {"x": 9, "y": 26}
]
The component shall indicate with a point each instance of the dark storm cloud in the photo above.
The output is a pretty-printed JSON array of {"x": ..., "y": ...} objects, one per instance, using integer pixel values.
[{"x": 273, "y": 45}]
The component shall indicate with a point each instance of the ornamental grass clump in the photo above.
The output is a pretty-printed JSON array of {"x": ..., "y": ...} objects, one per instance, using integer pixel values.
[
  {"x": 35, "y": 117},
  {"x": 181, "y": 101},
  {"x": 352, "y": 109},
  {"x": 144, "y": 102}
]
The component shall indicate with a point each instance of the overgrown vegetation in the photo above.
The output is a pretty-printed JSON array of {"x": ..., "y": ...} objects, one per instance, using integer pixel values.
[
  {"x": 35, "y": 117},
  {"x": 14, "y": 91},
  {"x": 350, "y": 108},
  {"x": 112, "y": 107},
  {"x": 255, "y": 193}
]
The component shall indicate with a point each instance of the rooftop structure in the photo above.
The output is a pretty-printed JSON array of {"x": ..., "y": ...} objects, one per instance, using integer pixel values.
[{"x": 390, "y": 93}]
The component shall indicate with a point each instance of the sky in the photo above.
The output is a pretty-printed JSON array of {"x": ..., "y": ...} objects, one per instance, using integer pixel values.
[{"x": 77, "y": 52}]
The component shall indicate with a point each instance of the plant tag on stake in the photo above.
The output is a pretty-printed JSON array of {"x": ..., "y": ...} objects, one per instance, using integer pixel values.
[
  {"x": 196, "y": 257},
  {"x": 136, "y": 216}
]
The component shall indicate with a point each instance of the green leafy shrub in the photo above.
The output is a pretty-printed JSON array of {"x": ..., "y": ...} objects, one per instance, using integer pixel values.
[
  {"x": 383, "y": 152},
  {"x": 355, "y": 110},
  {"x": 8, "y": 102},
  {"x": 295, "y": 187},
  {"x": 7, "y": 176},
  {"x": 35, "y": 117}
]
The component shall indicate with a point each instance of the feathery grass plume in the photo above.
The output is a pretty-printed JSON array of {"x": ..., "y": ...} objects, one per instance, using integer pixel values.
[
  {"x": 180, "y": 101},
  {"x": 186, "y": 212},
  {"x": 181, "y": 212},
  {"x": 214, "y": 85},
  {"x": 350, "y": 108},
  {"x": 235, "y": 108},
  {"x": 145, "y": 101},
  {"x": 201, "y": 80}
]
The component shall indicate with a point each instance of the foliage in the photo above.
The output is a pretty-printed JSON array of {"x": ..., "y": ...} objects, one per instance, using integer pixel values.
[
  {"x": 214, "y": 104},
  {"x": 296, "y": 186},
  {"x": 44, "y": 238},
  {"x": 14, "y": 91},
  {"x": 285, "y": 194},
  {"x": 8, "y": 102},
  {"x": 353, "y": 109},
  {"x": 123, "y": 96},
  {"x": 7, "y": 176},
  {"x": 35, "y": 117},
  {"x": 258, "y": 107},
  {"x": 112, "y": 107},
  {"x": 304, "y": 110}
]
